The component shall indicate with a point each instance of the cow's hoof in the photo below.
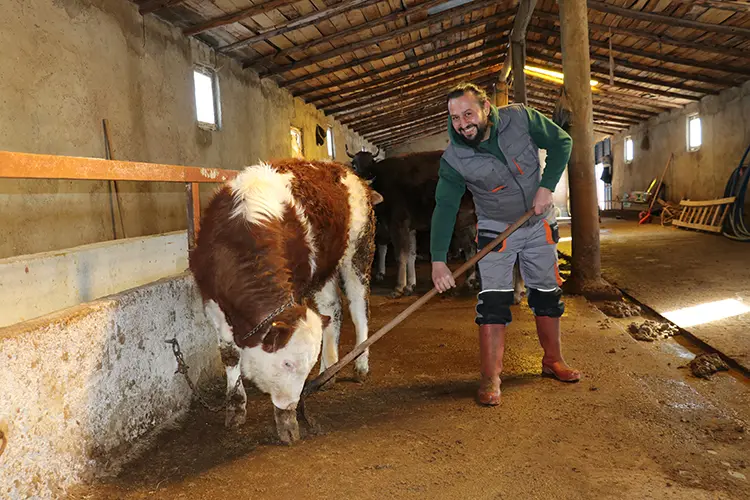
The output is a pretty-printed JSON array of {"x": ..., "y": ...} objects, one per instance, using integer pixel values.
[
  {"x": 379, "y": 278},
  {"x": 396, "y": 294},
  {"x": 286, "y": 425},
  {"x": 361, "y": 375},
  {"x": 409, "y": 290},
  {"x": 234, "y": 418}
]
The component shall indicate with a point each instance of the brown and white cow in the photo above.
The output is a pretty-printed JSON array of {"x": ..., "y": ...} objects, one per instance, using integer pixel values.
[{"x": 275, "y": 244}]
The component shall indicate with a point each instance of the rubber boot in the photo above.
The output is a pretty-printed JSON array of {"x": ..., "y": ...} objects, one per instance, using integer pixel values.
[
  {"x": 553, "y": 364},
  {"x": 491, "y": 349}
]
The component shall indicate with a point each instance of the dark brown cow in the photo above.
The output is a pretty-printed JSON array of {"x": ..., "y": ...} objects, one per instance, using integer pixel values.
[
  {"x": 275, "y": 243},
  {"x": 408, "y": 185}
]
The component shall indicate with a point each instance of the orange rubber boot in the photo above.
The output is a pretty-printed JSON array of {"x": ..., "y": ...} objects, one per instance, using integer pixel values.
[
  {"x": 491, "y": 349},
  {"x": 553, "y": 364}
]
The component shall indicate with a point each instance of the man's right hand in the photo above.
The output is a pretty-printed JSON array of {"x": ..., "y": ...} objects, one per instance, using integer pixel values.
[{"x": 442, "y": 277}]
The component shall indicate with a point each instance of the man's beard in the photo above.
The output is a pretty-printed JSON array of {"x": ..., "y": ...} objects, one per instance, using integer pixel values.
[{"x": 479, "y": 137}]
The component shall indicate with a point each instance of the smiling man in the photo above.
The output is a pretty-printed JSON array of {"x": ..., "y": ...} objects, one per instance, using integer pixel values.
[{"x": 494, "y": 152}]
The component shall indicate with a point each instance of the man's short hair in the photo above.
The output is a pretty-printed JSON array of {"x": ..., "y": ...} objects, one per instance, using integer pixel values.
[{"x": 464, "y": 88}]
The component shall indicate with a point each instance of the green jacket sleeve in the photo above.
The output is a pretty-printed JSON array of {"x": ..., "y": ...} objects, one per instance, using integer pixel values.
[
  {"x": 450, "y": 189},
  {"x": 548, "y": 135}
]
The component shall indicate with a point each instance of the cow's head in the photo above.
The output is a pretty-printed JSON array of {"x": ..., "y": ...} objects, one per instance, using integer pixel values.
[
  {"x": 281, "y": 364},
  {"x": 362, "y": 163}
]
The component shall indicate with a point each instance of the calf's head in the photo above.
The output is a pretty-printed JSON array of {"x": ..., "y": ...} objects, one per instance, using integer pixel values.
[
  {"x": 363, "y": 163},
  {"x": 280, "y": 365}
]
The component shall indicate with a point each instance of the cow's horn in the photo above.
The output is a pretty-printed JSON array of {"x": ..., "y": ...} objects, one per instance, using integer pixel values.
[
  {"x": 377, "y": 152},
  {"x": 346, "y": 146}
]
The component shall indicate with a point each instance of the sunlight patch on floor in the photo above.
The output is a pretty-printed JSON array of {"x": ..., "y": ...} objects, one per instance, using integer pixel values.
[{"x": 707, "y": 312}]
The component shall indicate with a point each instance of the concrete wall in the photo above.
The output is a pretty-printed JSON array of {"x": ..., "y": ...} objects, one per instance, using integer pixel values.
[
  {"x": 698, "y": 175},
  {"x": 429, "y": 143},
  {"x": 68, "y": 64},
  {"x": 84, "y": 389},
  {"x": 38, "y": 284}
]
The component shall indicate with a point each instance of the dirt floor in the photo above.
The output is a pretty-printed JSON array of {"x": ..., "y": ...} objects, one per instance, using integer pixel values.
[
  {"x": 668, "y": 269},
  {"x": 639, "y": 424}
]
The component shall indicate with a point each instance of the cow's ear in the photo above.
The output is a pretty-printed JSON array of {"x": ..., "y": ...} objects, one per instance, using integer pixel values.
[
  {"x": 278, "y": 336},
  {"x": 375, "y": 197},
  {"x": 325, "y": 320}
]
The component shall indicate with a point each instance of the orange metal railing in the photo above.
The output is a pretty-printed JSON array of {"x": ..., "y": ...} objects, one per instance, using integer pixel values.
[{"x": 38, "y": 166}]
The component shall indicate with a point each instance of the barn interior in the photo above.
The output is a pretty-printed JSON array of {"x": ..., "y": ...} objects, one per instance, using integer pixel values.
[{"x": 120, "y": 119}]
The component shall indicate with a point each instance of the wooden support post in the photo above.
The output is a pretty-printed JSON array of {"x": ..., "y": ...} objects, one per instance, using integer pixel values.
[
  {"x": 193, "y": 212},
  {"x": 585, "y": 276},
  {"x": 501, "y": 94},
  {"x": 518, "y": 55}
]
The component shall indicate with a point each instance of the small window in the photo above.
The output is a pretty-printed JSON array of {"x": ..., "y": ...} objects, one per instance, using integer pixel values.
[
  {"x": 694, "y": 138},
  {"x": 297, "y": 150},
  {"x": 329, "y": 143},
  {"x": 629, "y": 149},
  {"x": 206, "y": 98}
]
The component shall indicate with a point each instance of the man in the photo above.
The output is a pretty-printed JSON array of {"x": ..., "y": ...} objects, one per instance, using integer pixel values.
[{"x": 495, "y": 153}]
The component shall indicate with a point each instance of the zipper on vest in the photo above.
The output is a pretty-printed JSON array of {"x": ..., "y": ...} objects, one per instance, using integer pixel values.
[{"x": 507, "y": 166}]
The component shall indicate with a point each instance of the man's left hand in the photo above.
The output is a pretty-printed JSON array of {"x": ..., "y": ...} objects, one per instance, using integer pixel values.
[{"x": 542, "y": 200}]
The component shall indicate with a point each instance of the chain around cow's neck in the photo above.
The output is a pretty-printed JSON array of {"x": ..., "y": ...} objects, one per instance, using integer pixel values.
[{"x": 272, "y": 315}]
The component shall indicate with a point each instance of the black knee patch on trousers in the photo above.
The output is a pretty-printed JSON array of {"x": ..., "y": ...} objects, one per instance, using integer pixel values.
[
  {"x": 546, "y": 303},
  {"x": 493, "y": 308}
]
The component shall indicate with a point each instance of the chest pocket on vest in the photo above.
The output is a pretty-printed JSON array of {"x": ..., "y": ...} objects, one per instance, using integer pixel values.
[
  {"x": 491, "y": 179},
  {"x": 526, "y": 162}
]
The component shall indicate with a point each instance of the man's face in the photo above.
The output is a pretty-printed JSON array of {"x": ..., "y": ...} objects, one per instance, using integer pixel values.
[{"x": 469, "y": 117}]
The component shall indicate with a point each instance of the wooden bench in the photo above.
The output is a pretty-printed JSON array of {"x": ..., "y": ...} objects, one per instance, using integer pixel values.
[{"x": 705, "y": 215}]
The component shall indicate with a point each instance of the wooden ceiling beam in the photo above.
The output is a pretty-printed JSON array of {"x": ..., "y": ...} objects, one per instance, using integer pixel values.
[
  {"x": 464, "y": 72},
  {"x": 299, "y": 23},
  {"x": 382, "y": 55},
  {"x": 730, "y": 5},
  {"x": 426, "y": 129},
  {"x": 600, "y": 61},
  {"x": 666, "y": 40},
  {"x": 657, "y": 57},
  {"x": 379, "y": 84},
  {"x": 380, "y": 21},
  {"x": 416, "y": 104},
  {"x": 645, "y": 106},
  {"x": 437, "y": 18},
  {"x": 408, "y": 118},
  {"x": 638, "y": 88},
  {"x": 234, "y": 17},
  {"x": 395, "y": 16},
  {"x": 399, "y": 103},
  {"x": 668, "y": 20},
  {"x": 409, "y": 61},
  {"x": 402, "y": 126}
]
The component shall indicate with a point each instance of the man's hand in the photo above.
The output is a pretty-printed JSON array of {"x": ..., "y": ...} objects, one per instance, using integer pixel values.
[
  {"x": 442, "y": 277},
  {"x": 542, "y": 201}
]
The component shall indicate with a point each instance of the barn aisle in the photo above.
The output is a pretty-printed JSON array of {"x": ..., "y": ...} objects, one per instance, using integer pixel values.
[
  {"x": 636, "y": 426},
  {"x": 700, "y": 281}
]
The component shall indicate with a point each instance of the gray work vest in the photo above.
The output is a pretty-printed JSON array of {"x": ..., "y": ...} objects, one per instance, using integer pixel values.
[{"x": 502, "y": 192}]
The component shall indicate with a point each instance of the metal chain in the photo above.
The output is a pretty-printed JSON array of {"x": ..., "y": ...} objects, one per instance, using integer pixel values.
[
  {"x": 268, "y": 318},
  {"x": 182, "y": 367}
]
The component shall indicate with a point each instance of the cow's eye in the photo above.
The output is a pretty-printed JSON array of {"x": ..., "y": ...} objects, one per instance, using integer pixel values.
[{"x": 288, "y": 365}]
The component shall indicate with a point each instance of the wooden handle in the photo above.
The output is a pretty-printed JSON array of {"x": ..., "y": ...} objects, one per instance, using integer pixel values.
[{"x": 324, "y": 377}]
